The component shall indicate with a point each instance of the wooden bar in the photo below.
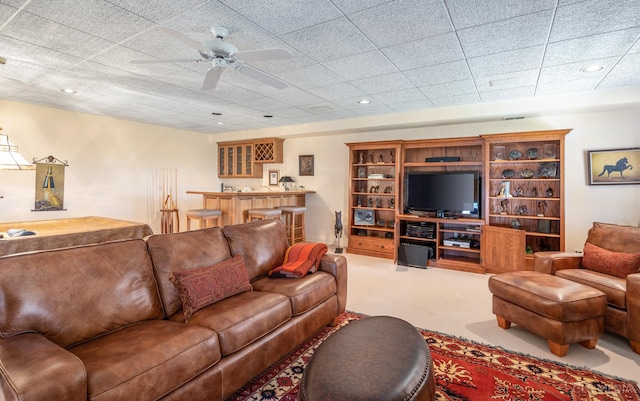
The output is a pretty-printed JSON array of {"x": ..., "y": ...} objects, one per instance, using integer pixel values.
[{"x": 234, "y": 205}]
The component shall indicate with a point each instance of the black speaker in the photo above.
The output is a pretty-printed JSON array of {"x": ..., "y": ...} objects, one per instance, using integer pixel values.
[
  {"x": 443, "y": 159},
  {"x": 415, "y": 255}
]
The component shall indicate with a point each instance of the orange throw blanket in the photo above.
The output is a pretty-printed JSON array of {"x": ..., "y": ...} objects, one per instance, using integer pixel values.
[{"x": 300, "y": 259}]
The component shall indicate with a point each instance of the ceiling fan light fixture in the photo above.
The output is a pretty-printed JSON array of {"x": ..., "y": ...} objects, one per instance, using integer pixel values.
[{"x": 593, "y": 68}]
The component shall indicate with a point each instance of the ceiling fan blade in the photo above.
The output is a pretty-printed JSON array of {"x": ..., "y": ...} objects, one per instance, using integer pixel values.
[
  {"x": 261, "y": 76},
  {"x": 177, "y": 60},
  {"x": 212, "y": 77},
  {"x": 264, "y": 54},
  {"x": 185, "y": 39}
]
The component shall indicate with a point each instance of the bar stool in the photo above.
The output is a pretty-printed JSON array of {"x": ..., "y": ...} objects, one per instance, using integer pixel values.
[
  {"x": 202, "y": 215},
  {"x": 261, "y": 214},
  {"x": 293, "y": 218}
]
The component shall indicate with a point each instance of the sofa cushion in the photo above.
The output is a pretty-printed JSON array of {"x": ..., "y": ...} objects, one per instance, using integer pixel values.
[
  {"x": 614, "y": 237},
  {"x": 263, "y": 244},
  {"x": 243, "y": 318},
  {"x": 619, "y": 264},
  {"x": 146, "y": 361},
  {"x": 184, "y": 251},
  {"x": 202, "y": 287},
  {"x": 75, "y": 294},
  {"x": 614, "y": 287},
  {"x": 304, "y": 293}
]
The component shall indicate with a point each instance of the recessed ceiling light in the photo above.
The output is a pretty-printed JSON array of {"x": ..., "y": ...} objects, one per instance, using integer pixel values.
[
  {"x": 220, "y": 123},
  {"x": 364, "y": 101},
  {"x": 68, "y": 91},
  {"x": 592, "y": 68}
]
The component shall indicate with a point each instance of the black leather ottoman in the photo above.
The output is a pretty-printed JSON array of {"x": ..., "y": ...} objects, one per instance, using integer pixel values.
[{"x": 377, "y": 358}]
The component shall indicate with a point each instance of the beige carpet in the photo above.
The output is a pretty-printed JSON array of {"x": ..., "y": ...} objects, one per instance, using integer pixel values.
[{"x": 459, "y": 303}]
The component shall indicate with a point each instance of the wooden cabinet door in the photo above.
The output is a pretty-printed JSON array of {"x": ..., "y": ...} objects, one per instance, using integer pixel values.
[{"x": 503, "y": 249}]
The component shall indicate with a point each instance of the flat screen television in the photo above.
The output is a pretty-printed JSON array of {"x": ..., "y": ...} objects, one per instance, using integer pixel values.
[{"x": 447, "y": 194}]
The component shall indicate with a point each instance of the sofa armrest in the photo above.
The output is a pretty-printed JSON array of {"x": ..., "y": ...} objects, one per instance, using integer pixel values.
[
  {"x": 32, "y": 368},
  {"x": 633, "y": 311},
  {"x": 551, "y": 261},
  {"x": 337, "y": 266}
]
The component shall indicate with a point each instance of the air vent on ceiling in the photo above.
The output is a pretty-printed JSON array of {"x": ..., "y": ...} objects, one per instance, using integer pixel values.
[
  {"x": 320, "y": 109},
  {"x": 513, "y": 118}
]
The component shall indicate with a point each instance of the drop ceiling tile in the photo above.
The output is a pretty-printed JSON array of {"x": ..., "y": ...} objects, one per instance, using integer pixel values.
[
  {"x": 336, "y": 91},
  {"x": 329, "y": 40},
  {"x": 412, "y": 106},
  {"x": 572, "y": 71},
  {"x": 424, "y": 52},
  {"x": 507, "y": 94},
  {"x": 360, "y": 66},
  {"x": 590, "y": 47},
  {"x": 294, "y": 96},
  {"x": 507, "y": 80},
  {"x": 594, "y": 16},
  {"x": 449, "y": 89},
  {"x": 264, "y": 104},
  {"x": 157, "y": 11},
  {"x": 458, "y": 100},
  {"x": 400, "y": 96},
  {"x": 465, "y": 13},
  {"x": 625, "y": 73},
  {"x": 97, "y": 17},
  {"x": 441, "y": 73},
  {"x": 506, "y": 62},
  {"x": 310, "y": 76},
  {"x": 283, "y": 16},
  {"x": 350, "y": 6},
  {"x": 403, "y": 20},
  {"x": 510, "y": 34},
  {"x": 383, "y": 83},
  {"x": 567, "y": 86}
]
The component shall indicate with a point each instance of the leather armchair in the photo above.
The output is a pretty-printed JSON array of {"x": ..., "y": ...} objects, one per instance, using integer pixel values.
[{"x": 623, "y": 294}]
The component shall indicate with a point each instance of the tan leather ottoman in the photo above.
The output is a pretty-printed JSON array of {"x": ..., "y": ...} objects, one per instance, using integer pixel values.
[
  {"x": 377, "y": 358},
  {"x": 562, "y": 311}
]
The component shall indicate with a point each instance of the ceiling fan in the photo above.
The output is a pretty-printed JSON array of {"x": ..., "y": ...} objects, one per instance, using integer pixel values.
[{"x": 222, "y": 54}]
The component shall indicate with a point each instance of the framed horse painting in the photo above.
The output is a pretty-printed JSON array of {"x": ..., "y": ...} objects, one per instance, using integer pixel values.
[{"x": 614, "y": 166}]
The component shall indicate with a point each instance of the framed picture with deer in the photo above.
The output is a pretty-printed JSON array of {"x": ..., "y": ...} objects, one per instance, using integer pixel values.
[{"x": 614, "y": 166}]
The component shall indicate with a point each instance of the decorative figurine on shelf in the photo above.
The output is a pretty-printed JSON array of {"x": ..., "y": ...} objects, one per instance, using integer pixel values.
[
  {"x": 505, "y": 191},
  {"x": 519, "y": 192},
  {"x": 361, "y": 158},
  {"x": 391, "y": 157},
  {"x": 515, "y": 224},
  {"x": 380, "y": 158},
  {"x": 378, "y": 202},
  {"x": 370, "y": 158},
  {"x": 388, "y": 189},
  {"x": 370, "y": 202},
  {"x": 504, "y": 205},
  {"x": 534, "y": 192},
  {"x": 542, "y": 207},
  {"x": 338, "y": 230},
  {"x": 359, "y": 202},
  {"x": 549, "y": 192},
  {"x": 392, "y": 203},
  {"x": 521, "y": 210}
]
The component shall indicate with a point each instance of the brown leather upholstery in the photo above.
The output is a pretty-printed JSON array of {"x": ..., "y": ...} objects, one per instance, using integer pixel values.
[
  {"x": 90, "y": 323},
  {"x": 562, "y": 311},
  {"x": 378, "y": 358},
  {"x": 623, "y": 295}
]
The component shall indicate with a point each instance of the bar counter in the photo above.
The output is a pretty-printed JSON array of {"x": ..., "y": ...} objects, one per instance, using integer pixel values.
[{"x": 234, "y": 205}]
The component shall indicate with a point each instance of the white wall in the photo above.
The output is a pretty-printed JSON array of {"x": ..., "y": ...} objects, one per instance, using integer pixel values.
[{"x": 112, "y": 164}]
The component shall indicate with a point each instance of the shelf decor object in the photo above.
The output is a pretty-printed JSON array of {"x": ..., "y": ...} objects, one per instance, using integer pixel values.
[
  {"x": 285, "y": 180},
  {"x": 614, "y": 166}
]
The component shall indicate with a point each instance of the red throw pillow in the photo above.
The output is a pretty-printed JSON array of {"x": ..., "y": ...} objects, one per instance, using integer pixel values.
[
  {"x": 617, "y": 264},
  {"x": 204, "y": 286}
]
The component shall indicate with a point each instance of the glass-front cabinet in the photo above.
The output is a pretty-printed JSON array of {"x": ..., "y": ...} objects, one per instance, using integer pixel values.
[{"x": 236, "y": 160}]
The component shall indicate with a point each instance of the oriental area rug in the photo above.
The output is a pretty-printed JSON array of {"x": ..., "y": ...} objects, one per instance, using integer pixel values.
[{"x": 464, "y": 371}]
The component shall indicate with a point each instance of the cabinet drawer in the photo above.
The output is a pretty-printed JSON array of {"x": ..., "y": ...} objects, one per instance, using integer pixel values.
[{"x": 371, "y": 246}]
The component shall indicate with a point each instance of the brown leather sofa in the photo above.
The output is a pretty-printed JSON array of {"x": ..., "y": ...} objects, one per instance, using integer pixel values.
[
  {"x": 103, "y": 322},
  {"x": 623, "y": 294}
]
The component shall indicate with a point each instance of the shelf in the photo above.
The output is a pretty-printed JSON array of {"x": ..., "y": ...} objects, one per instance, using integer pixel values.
[
  {"x": 523, "y": 216},
  {"x": 443, "y": 164},
  {"x": 457, "y": 248}
]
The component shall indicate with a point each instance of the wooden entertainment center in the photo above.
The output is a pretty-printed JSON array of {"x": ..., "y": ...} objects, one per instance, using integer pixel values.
[{"x": 521, "y": 201}]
